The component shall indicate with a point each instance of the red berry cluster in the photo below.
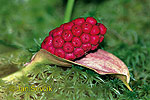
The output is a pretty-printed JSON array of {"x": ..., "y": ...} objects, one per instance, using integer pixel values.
[{"x": 73, "y": 39}]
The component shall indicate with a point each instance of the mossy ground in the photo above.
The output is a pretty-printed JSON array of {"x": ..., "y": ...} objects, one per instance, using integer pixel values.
[{"x": 25, "y": 23}]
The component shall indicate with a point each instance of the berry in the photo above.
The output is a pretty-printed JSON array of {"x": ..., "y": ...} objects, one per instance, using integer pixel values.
[
  {"x": 91, "y": 20},
  {"x": 94, "y": 39},
  {"x": 43, "y": 46},
  {"x": 101, "y": 39},
  {"x": 68, "y": 47},
  {"x": 103, "y": 29},
  {"x": 95, "y": 30},
  {"x": 76, "y": 42},
  {"x": 51, "y": 49},
  {"x": 86, "y": 27},
  {"x": 76, "y": 30},
  {"x": 68, "y": 26},
  {"x": 47, "y": 42},
  {"x": 67, "y": 35},
  {"x": 60, "y": 53},
  {"x": 94, "y": 47},
  {"x": 70, "y": 56},
  {"x": 74, "y": 39},
  {"x": 78, "y": 52},
  {"x": 85, "y": 38},
  {"x": 86, "y": 47},
  {"x": 58, "y": 42},
  {"x": 79, "y": 21},
  {"x": 57, "y": 32}
]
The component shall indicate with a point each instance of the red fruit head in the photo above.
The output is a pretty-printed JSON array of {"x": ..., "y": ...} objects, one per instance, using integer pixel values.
[
  {"x": 78, "y": 52},
  {"x": 95, "y": 30},
  {"x": 86, "y": 27},
  {"x": 47, "y": 42},
  {"x": 43, "y": 46},
  {"x": 103, "y": 29},
  {"x": 94, "y": 39},
  {"x": 68, "y": 26},
  {"x": 76, "y": 30},
  {"x": 94, "y": 47},
  {"x": 85, "y": 38},
  {"x": 101, "y": 39},
  {"x": 51, "y": 49},
  {"x": 73, "y": 39},
  {"x": 57, "y": 32},
  {"x": 67, "y": 35},
  {"x": 76, "y": 42},
  {"x": 86, "y": 47},
  {"x": 91, "y": 20},
  {"x": 79, "y": 21},
  {"x": 60, "y": 53},
  {"x": 70, "y": 56},
  {"x": 68, "y": 47},
  {"x": 58, "y": 42}
]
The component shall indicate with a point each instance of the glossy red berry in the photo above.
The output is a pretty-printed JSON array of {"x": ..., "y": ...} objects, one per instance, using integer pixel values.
[
  {"x": 68, "y": 26},
  {"x": 91, "y": 20},
  {"x": 68, "y": 47},
  {"x": 101, "y": 39},
  {"x": 95, "y": 30},
  {"x": 47, "y": 42},
  {"x": 70, "y": 56},
  {"x": 60, "y": 53},
  {"x": 86, "y": 47},
  {"x": 94, "y": 47},
  {"x": 78, "y": 52},
  {"x": 76, "y": 30},
  {"x": 79, "y": 21},
  {"x": 67, "y": 35},
  {"x": 58, "y": 42},
  {"x": 86, "y": 27},
  {"x": 76, "y": 42},
  {"x": 57, "y": 32},
  {"x": 43, "y": 46},
  {"x": 103, "y": 29},
  {"x": 94, "y": 39},
  {"x": 51, "y": 49},
  {"x": 85, "y": 38}
]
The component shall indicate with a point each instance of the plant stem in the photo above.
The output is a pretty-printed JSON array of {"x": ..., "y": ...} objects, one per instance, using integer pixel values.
[
  {"x": 20, "y": 73},
  {"x": 68, "y": 11},
  {"x": 42, "y": 57}
]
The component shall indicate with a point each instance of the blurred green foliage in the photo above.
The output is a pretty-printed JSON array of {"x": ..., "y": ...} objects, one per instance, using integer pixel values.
[{"x": 25, "y": 23}]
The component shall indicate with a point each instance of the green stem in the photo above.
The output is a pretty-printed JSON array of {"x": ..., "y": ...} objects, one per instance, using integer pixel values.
[
  {"x": 68, "y": 11},
  {"x": 42, "y": 57},
  {"x": 20, "y": 73}
]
